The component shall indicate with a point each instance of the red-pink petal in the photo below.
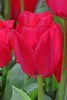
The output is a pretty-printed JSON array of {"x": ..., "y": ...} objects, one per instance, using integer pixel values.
[
  {"x": 58, "y": 7},
  {"x": 5, "y": 54},
  {"x": 28, "y": 19},
  {"x": 24, "y": 53},
  {"x": 59, "y": 69},
  {"x": 30, "y": 35},
  {"x": 9, "y": 23},
  {"x": 45, "y": 14},
  {"x": 6, "y": 24},
  {"x": 30, "y": 5},
  {"x": 15, "y": 9},
  {"x": 43, "y": 25},
  {"x": 47, "y": 51}
]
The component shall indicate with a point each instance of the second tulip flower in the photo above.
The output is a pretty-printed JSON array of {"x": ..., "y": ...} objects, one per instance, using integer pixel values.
[{"x": 37, "y": 43}]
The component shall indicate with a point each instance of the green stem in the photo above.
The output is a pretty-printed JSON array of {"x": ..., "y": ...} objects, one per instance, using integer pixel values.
[
  {"x": 61, "y": 90},
  {"x": 22, "y": 6},
  {"x": 27, "y": 78},
  {"x": 7, "y": 9},
  {"x": 40, "y": 88}
]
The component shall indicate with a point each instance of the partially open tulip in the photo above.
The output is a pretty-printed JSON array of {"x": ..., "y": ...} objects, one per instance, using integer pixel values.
[
  {"x": 58, "y": 7},
  {"x": 5, "y": 49},
  {"x": 37, "y": 43},
  {"x": 29, "y": 5}
]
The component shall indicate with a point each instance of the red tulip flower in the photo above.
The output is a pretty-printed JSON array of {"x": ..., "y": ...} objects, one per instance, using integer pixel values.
[
  {"x": 29, "y": 5},
  {"x": 37, "y": 43},
  {"x": 15, "y": 9},
  {"x": 5, "y": 49},
  {"x": 58, "y": 7}
]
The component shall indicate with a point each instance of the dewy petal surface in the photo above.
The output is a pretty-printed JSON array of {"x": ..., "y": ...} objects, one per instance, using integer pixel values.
[
  {"x": 59, "y": 7},
  {"x": 47, "y": 52},
  {"x": 24, "y": 52}
]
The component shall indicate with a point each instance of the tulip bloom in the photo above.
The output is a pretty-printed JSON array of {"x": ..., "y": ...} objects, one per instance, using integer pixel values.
[
  {"x": 29, "y": 5},
  {"x": 37, "y": 43},
  {"x": 5, "y": 49},
  {"x": 15, "y": 9},
  {"x": 58, "y": 7}
]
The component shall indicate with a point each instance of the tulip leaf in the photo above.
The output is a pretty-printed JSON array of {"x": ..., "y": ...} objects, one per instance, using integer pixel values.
[
  {"x": 59, "y": 21},
  {"x": 30, "y": 88},
  {"x": 33, "y": 96},
  {"x": 45, "y": 97},
  {"x": 42, "y": 7},
  {"x": 1, "y": 18},
  {"x": 18, "y": 94},
  {"x": 16, "y": 78}
]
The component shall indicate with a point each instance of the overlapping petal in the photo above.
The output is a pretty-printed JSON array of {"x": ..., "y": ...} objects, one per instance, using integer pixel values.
[
  {"x": 59, "y": 7},
  {"x": 5, "y": 48},
  {"x": 5, "y": 54},
  {"x": 23, "y": 51},
  {"x": 28, "y": 19},
  {"x": 47, "y": 51}
]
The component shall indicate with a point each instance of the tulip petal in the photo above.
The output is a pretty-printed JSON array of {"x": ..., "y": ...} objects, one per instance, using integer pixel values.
[
  {"x": 43, "y": 25},
  {"x": 58, "y": 7},
  {"x": 24, "y": 53},
  {"x": 30, "y": 5},
  {"x": 43, "y": 15},
  {"x": 9, "y": 23},
  {"x": 59, "y": 70},
  {"x": 4, "y": 36},
  {"x": 5, "y": 54},
  {"x": 6, "y": 24},
  {"x": 28, "y": 19},
  {"x": 47, "y": 51},
  {"x": 15, "y": 9},
  {"x": 30, "y": 35}
]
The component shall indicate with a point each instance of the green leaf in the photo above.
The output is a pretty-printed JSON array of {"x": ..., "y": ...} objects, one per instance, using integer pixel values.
[
  {"x": 30, "y": 88},
  {"x": 18, "y": 94},
  {"x": 1, "y": 18},
  {"x": 34, "y": 95},
  {"x": 55, "y": 83},
  {"x": 45, "y": 97},
  {"x": 16, "y": 78},
  {"x": 59, "y": 21},
  {"x": 42, "y": 7}
]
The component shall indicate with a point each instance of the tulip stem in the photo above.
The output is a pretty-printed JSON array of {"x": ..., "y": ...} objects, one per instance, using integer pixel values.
[
  {"x": 7, "y": 9},
  {"x": 22, "y": 6},
  {"x": 61, "y": 91},
  {"x": 40, "y": 88}
]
